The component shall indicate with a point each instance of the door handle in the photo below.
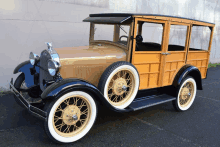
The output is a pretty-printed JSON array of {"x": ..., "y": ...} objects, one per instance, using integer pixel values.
[{"x": 165, "y": 53}]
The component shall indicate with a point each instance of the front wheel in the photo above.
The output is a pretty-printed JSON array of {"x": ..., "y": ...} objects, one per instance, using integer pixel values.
[
  {"x": 70, "y": 117},
  {"x": 186, "y": 94},
  {"x": 119, "y": 84}
]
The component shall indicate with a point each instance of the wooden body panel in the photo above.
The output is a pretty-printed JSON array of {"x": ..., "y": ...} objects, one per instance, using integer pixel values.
[
  {"x": 199, "y": 59},
  {"x": 174, "y": 62},
  {"x": 148, "y": 66},
  {"x": 157, "y": 69}
]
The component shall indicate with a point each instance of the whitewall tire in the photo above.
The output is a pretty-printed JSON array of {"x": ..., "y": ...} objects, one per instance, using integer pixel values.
[
  {"x": 70, "y": 117},
  {"x": 119, "y": 84},
  {"x": 186, "y": 94}
]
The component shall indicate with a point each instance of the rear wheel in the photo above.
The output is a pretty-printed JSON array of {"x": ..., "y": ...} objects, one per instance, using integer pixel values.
[
  {"x": 70, "y": 117},
  {"x": 186, "y": 94}
]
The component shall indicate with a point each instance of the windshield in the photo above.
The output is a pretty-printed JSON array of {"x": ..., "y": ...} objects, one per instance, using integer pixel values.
[{"x": 106, "y": 32}]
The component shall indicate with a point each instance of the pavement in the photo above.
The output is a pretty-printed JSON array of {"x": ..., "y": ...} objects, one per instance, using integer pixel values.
[{"x": 156, "y": 126}]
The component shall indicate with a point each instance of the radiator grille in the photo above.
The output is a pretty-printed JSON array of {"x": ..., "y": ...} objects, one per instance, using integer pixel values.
[{"x": 44, "y": 74}]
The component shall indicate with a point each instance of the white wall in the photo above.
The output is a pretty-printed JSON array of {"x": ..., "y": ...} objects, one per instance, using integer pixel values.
[{"x": 26, "y": 24}]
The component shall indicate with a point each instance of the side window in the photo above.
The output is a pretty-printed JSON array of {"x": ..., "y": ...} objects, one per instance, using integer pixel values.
[
  {"x": 177, "y": 38},
  {"x": 152, "y": 37},
  {"x": 200, "y": 36}
]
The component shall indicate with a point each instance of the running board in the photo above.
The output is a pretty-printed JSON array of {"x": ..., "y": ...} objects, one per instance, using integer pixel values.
[{"x": 148, "y": 101}]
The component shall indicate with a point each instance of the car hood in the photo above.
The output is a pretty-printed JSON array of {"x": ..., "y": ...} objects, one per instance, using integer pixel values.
[{"x": 68, "y": 55}]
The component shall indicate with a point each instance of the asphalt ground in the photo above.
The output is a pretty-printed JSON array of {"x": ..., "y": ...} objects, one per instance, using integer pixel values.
[{"x": 156, "y": 126}]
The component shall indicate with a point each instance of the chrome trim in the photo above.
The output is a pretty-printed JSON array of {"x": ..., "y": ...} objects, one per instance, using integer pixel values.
[
  {"x": 33, "y": 58},
  {"x": 54, "y": 55},
  {"x": 49, "y": 45},
  {"x": 56, "y": 66}
]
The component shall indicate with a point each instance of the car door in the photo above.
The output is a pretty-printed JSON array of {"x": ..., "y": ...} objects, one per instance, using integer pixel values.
[
  {"x": 148, "y": 59},
  {"x": 176, "y": 50}
]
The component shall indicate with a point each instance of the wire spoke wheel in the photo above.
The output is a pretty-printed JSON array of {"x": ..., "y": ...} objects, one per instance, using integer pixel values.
[
  {"x": 120, "y": 87},
  {"x": 186, "y": 94},
  {"x": 71, "y": 116},
  {"x": 119, "y": 84}
]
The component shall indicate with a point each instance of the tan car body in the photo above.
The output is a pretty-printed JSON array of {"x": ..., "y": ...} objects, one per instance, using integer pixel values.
[{"x": 88, "y": 62}]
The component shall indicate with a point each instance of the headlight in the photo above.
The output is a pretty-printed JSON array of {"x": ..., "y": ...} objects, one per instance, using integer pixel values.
[
  {"x": 34, "y": 58},
  {"x": 53, "y": 67}
]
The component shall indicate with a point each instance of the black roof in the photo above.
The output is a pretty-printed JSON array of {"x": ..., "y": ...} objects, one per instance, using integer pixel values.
[{"x": 126, "y": 15}]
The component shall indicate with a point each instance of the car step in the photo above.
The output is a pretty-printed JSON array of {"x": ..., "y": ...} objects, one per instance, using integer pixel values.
[{"x": 148, "y": 101}]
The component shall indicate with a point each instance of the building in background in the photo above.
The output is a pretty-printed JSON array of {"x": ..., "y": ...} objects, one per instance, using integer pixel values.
[{"x": 27, "y": 24}]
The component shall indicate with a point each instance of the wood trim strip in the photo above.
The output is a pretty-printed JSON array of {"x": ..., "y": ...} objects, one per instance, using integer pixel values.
[
  {"x": 209, "y": 50},
  {"x": 143, "y": 63},
  {"x": 197, "y": 59},
  {"x": 144, "y": 73},
  {"x": 134, "y": 42},
  {"x": 130, "y": 43},
  {"x": 180, "y": 20},
  {"x": 188, "y": 45},
  {"x": 175, "y": 61},
  {"x": 91, "y": 35},
  {"x": 148, "y": 52},
  {"x": 198, "y": 51},
  {"x": 173, "y": 52},
  {"x": 148, "y": 81},
  {"x": 165, "y": 43},
  {"x": 170, "y": 70},
  {"x": 151, "y": 20},
  {"x": 116, "y": 33}
]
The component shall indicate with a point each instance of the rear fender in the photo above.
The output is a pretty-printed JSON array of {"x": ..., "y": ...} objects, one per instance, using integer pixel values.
[
  {"x": 188, "y": 70},
  {"x": 25, "y": 68},
  {"x": 67, "y": 85}
]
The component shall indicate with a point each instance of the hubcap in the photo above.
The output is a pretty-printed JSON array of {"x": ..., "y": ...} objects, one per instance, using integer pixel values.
[
  {"x": 119, "y": 86},
  {"x": 71, "y": 114}
]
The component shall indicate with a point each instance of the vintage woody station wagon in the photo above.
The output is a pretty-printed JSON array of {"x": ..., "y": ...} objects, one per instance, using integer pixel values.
[{"x": 154, "y": 53}]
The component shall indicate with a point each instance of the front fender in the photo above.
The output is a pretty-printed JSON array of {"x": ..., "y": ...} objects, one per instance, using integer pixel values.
[
  {"x": 188, "y": 70},
  {"x": 25, "y": 68},
  {"x": 66, "y": 85}
]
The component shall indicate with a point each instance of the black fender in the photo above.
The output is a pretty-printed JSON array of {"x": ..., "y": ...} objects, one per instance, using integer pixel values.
[
  {"x": 63, "y": 86},
  {"x": 188, "y": 70},
  {"x": 25, "y": 68}
]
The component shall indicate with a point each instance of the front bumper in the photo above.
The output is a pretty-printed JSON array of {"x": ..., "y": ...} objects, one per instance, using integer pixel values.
[{"x": 32, "y": 109}]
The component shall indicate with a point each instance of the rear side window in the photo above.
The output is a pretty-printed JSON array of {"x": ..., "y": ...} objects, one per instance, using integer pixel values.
[
  {"x": 177, "y": 39},
  {"x": 200, "y": 37}
]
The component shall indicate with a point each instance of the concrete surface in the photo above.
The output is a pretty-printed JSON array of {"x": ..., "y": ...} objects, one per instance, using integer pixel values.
[
  {"x": 156, "y": 126},
  {"x": 27, "y": 24}
]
